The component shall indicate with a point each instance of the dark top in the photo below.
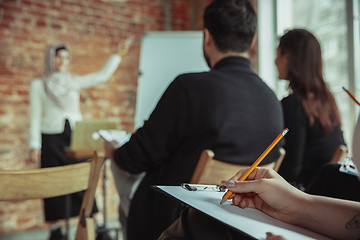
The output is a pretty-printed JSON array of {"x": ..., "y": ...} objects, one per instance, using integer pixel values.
[
  {"x": 229, "y": 110},
  {"x": 307, "y": 147},
  {"x": 332, "y": 182}
]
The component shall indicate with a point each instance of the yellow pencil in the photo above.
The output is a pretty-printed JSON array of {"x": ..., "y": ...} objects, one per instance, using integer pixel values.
[{"x": 256, "y": 163}]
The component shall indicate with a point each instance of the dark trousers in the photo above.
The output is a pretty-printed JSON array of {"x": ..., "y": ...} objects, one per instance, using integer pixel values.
[{"x": 52, "y": 155}]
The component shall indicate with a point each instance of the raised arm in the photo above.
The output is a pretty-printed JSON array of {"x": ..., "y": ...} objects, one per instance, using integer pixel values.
[
  {"x": 269, "y": 192},
  {"x": 109, "y": 68}
]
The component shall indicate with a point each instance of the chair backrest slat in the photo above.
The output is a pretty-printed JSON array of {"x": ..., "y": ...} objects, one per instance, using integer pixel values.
[
  {"x": 340, "y": 152},
  {"x": 43, "y": 182},
  {"x": 56, "y": 181},
  {"x": 212, "y": 171}
]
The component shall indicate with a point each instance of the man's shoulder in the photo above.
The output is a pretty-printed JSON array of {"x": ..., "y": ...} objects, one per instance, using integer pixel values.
[
  {"x": 192, "y": 78},
  {"x": 193, "y": 75}
]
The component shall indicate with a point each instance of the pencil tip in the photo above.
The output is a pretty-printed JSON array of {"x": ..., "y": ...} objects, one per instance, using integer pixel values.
[{"x": 223, "y": 200}]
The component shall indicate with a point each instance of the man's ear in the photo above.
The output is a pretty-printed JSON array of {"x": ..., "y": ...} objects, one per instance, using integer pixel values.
[
  {"x": 207, "y": 37},
  {"x": 253, "y": 42}
]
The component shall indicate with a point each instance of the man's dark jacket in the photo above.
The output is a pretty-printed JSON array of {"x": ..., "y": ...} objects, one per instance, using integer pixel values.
[{"x": 228, "y": 109}]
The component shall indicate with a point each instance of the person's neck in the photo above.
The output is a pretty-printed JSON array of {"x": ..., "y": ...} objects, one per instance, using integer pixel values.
[{"x": 219, "y": 55}]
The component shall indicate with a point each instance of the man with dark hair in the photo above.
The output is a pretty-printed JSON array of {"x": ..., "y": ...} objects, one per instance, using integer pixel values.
[
  {"x": 228, "y": 109},
  {"x": 232, "y": 25}
]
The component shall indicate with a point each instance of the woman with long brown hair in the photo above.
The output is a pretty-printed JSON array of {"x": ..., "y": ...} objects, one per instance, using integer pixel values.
[{"x": 310, "y": 111}]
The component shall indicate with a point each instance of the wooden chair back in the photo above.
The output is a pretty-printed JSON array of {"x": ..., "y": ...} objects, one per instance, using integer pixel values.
[
  {"x": 212, "y": 171},
  {"x": 339, "y": 154},
  {"x": 56, "y": 181}
]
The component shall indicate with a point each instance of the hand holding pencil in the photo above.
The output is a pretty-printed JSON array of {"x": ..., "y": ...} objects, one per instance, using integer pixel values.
[
  {"x": 266, "y": 191},
  {"x": 256, "y": 163}
]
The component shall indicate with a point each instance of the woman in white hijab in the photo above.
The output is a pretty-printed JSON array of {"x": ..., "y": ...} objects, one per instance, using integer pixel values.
[{"x": 54, "y": 109}]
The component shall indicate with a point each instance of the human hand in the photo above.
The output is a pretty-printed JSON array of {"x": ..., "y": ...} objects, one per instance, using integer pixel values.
[
  {"x": 267, "y": 191},
  {"x": 35, "y": 155},
  {"x": 270, "y": 236},
  {"x": 124, "y": 45},
  {"x": 110, "y": 147}
]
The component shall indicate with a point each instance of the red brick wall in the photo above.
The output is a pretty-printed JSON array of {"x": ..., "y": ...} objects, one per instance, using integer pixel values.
[{"x": 92, "y": 29}]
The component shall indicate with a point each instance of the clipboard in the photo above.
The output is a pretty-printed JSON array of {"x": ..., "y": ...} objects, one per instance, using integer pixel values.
[
  {"x": 251, "y": 222},
  {"x": 120, "y": 136},
  {"x": 202, "y": 187}
]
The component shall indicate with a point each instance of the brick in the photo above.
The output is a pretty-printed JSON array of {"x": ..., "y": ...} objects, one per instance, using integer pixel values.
[
  {"x": 23, "y": 92},
  {"x": 11, "y": 8},
  {"x": 40, "y": 23},
  {"x": 92, "y": 29},
  {"x": 40, "y": 5},
  {"x": 56, "y": 26},
  {"x": 26, "y": 3}
]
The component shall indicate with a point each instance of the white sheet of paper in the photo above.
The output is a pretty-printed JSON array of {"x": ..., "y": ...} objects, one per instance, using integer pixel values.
[
  {"x": 250, "y": 221},
  {"x": 119, "y": 136}
]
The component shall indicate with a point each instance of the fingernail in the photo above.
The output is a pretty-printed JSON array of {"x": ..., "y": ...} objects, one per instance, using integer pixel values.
[{"x": 228, "y": 183}]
